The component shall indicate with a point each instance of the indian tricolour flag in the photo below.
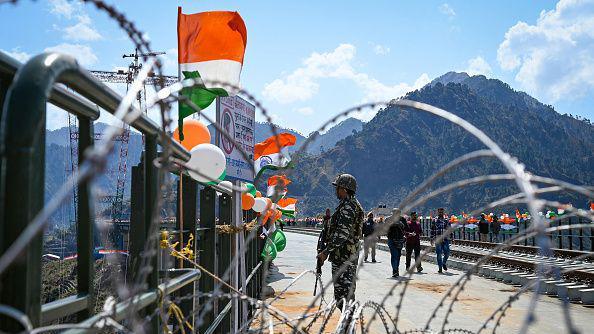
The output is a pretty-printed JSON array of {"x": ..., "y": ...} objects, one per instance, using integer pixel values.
[
  {"x": 211, "y": 46},
  {"x": 267, "y": 154},
  {"x": 280, "y": 181},
  {"x": 287, "y": 206}
]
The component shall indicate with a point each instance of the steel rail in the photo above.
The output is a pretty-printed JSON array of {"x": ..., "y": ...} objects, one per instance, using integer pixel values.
[
  {"x": 583, "y": 275},
  {"x": 59, "y": 96},
  {"x": 557, "y": 252},
  {"x": 93, "y": 90},
  {"x": 141, "y": 301}
]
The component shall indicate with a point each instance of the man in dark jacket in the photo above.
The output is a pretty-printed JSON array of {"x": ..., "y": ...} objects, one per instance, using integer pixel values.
[
  {"x": 369, "y": 241},
  {"x": 495, "y": 228},
  {"x": 395, "y": 240},
  {"x": 483, "y": 226},
  {"x": 413, "y": 232},
  {"x": 439, "y": 226}
]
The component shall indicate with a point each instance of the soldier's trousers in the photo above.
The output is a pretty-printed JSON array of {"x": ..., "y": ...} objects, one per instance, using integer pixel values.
[{"x": 345, "y": 282}]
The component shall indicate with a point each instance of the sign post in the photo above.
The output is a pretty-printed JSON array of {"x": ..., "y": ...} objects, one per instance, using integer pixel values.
[{"x": 237, "y": 117}]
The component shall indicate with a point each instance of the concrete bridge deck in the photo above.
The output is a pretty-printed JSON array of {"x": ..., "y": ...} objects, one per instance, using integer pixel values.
[{"x": 479, "y": 299}]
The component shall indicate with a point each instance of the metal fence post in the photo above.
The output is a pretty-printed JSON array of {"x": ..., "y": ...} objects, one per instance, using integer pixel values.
[
  {"x": 207, "y": 247},
  {"x": 569, "y": 234},
  {"x": 224, "y": 254},
  {"x": 186, "y": 205},
  {"x": 151, "y": 187},
  {"x": 23, "y": 163},
  {"x": 248, "y": 266},
  {"x": 85, "y": 225},
  {"x": 559, "y": 237},
  {"x": 137, "y": 231},
  {"x": 581, "y": 240},
  {"x": 591, "y": 239},
  {"x": 525, "y": 227}
]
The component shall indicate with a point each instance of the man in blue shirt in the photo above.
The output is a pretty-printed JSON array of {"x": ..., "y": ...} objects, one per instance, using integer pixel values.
[{"x": 439, "y": 226}]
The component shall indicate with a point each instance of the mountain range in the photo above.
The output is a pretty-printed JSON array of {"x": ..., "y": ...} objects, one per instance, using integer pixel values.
[
  {"x": 399, "y": 148},
  {"x": 58, "y": 158}
]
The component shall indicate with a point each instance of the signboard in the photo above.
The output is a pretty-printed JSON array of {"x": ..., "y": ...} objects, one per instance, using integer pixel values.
[{"x": 237, "y": 117}]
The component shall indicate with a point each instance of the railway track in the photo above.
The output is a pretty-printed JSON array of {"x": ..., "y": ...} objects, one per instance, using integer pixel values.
[{"x": 517, "y": 265}]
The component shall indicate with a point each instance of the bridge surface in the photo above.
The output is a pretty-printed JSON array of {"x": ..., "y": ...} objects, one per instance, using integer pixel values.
[{"x": 477, "y": 302}]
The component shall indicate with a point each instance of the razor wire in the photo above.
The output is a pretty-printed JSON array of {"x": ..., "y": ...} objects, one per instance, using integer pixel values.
[
  {"x": 507, "y": 161},
  {"x": 520, "y": 237},
  {"x": 100, "y": 155},
  {"x": 507, "y": 304},
  {"x": 97, "y": 162}
]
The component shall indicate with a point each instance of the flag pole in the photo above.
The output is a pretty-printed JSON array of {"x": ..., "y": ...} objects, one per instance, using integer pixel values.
[{"x": 180, "y": 190}]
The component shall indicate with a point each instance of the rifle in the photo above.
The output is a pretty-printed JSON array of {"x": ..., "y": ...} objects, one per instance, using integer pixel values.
[{"x": 321, "y": 246}]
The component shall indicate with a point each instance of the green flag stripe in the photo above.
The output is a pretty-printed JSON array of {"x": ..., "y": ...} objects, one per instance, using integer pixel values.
[{"x": 201, "y": 96}]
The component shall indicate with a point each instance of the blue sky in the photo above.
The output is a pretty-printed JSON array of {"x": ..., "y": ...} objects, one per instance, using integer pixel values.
[{"x": 309, "y": 60}]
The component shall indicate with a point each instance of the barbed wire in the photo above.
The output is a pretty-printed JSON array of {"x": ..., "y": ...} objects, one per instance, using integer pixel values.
[
  {"x": 353, "y": 310},
  {"x": 510, "y": 163},
  {"x": 507, "y": 304}
]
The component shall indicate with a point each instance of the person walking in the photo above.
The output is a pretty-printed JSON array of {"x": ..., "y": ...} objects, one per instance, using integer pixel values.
[
  {"x": 369, "y": 239},
  {"x": 495, "y": 228},
  {"x": 413, "y": 232},
  {"x": 342, "y": 239},
  {"x": 439, "y": 226},
  {"x": 483, "y": 226},
  {"x": 395, "y": 240}
]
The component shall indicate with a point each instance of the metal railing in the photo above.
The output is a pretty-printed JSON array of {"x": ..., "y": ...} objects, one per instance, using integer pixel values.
[
  {"x": 581, "y": 239},
  {"x": 24, "y": 92}
]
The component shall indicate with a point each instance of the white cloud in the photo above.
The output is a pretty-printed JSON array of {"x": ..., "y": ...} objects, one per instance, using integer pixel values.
[
  {"x": 554, "y": 58},
  {"x": 83, "y": 53},
  {"x": 82, "y": 31},
  {"x": 305, "y": 111},
  {"x": 169, "y": 60},
  {"x": 62, "y": 8},
  {"x": 478, "y": 65},
  {"x": 447, "y": 10},
  {"x": 55, "y": 118},
  {"x": 381, "y": 50},
  {"x": 302, "y": 84},
  {"x": 17, "y": 54}
]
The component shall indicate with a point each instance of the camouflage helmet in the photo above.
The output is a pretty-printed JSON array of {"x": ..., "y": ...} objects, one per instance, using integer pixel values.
[{"x": 347, "y": 181}]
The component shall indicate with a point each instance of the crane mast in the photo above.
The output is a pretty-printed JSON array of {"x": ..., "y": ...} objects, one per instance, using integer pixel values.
[{"x": 116, "y": 201}]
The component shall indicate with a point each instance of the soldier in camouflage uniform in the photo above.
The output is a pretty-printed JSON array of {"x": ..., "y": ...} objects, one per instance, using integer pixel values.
[{"x": 342, "y": 237}]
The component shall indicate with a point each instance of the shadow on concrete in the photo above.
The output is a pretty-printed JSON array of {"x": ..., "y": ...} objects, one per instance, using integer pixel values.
[{"x": 275, "y": 275}]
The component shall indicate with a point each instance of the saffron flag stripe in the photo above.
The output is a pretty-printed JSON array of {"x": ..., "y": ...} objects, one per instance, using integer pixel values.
[
  {"x": 211, "y": 36},
  {"x": 211, "y": 48},
  {"x": 277, "y": 181},
  {"x": 287, "y": 206},
  {"x": 273, "y": 153}
]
